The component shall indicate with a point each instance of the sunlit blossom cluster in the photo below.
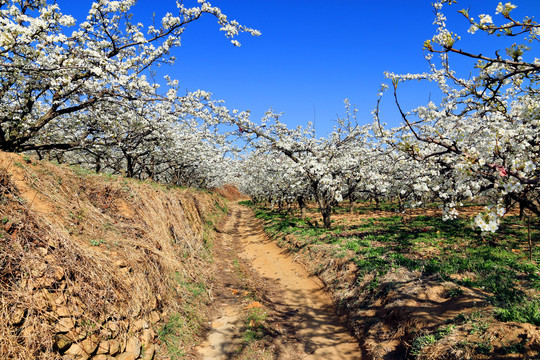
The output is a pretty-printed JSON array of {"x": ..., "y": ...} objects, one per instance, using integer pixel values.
[{"x": 83, "y": 93}]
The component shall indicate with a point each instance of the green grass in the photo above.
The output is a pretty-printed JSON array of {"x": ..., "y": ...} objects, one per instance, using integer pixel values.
[
  {"x": 525, "y": 311},
  {"x": 516, "y": 348},
  {"x": 256, "y": 318},
  {"x": 182, "y": 327},
  {"x": 421, "y": 342},
  {"x": 192, "y": 291},
  {"x": 429, "y": 339},
  {"x": 96, "y": 242},
  {"x": 82, "y": 171},
  {"x": 172, "y": 334},
  {"x": 255, "y": 325},
  {"x": 496, "y": 263}
]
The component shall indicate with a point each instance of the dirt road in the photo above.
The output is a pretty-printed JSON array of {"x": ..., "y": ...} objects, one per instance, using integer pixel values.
[{"x": 298, "y": 317}]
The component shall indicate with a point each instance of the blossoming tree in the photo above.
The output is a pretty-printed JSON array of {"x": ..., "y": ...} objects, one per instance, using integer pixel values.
[
  {"x": 52, "y": 69},
  {"x": 324, "y": 162},
  {"x": 483, "y": 137}
]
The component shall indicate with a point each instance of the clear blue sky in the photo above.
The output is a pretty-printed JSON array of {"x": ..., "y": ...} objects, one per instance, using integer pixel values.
[{"x": 313, "y": 54}]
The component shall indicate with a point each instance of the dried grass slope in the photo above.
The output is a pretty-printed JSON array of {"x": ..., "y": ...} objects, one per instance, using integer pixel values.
[{"x": 95, "y": 266}]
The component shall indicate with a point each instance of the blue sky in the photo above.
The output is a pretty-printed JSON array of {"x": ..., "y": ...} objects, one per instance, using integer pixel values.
[{"x": 313, "y": 54}]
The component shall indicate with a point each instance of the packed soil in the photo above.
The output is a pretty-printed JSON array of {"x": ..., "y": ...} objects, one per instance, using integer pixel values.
[{"x": 266, "y": 304}]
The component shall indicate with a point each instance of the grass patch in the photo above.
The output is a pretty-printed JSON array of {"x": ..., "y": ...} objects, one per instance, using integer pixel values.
[
  {"x": 255, "y": 330},
  {"x": 181, "y": 328},
  {"x": 525, "y": 311},
  {"x": 429, "y": 339},
  {"x": 173, "y": 334}
]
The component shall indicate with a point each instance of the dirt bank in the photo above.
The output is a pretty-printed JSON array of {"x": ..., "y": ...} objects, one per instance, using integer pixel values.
[{"x": 96, "y": 266}]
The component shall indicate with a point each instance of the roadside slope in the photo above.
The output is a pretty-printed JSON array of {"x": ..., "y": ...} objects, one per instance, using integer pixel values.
[{"x": 94, "y": 266}]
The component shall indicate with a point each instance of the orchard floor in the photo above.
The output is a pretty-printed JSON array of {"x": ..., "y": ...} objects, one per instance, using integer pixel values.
[{"x": 266, "y": 306}]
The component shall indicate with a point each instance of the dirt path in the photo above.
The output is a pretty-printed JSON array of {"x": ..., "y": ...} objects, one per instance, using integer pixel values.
[{"x": 300, "y": 322}]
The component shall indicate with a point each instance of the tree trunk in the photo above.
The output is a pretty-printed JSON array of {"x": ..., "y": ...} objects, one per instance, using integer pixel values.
[
  {"x": 529, "y": 238},
  {"x": 325, "y": 207},
  {"x": 302, "y": 206},
  {"x": 351, "y": 205},
  {"x": 98, "y": 164},
  {"x": 326, "y": 213},
  {"x": 400, "y": 203},
  {"x": 129, "y": 166}
]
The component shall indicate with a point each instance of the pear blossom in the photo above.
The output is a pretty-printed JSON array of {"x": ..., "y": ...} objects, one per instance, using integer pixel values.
[
  {"x": 505, "y": 9},
  {"x": 485, "y": 19}
]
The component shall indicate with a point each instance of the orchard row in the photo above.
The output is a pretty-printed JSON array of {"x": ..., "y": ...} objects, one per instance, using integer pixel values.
[{"x": 85, "y": 94}]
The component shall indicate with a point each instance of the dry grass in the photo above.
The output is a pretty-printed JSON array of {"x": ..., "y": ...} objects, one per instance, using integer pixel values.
[{"x": 105, "y": 250}]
